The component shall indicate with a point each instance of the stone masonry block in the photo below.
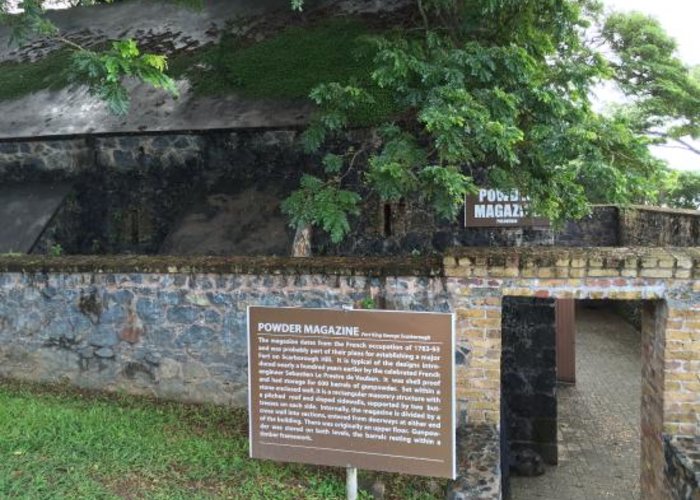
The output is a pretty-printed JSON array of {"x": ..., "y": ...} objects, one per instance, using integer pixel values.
[
  {"x": 667, "y": 262},
  {"x": 650, "y": 262},
  {"x": 656, "y": 273},
  {"x": 546, "y": 272},
  {"x": 596, "y": 262},
  {"x": 603, "y": 273},
  {"x": 578, "y": 273},
  {"x": 449, "y": 262}
]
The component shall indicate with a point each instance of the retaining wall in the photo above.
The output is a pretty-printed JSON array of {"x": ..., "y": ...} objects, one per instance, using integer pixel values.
[{"x": 132, "y": 191}]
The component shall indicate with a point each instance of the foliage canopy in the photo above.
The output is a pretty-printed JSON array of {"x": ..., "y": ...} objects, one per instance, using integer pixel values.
[
  {"x": 683, "y": 190},
  {"x": 503, "y": 86}
]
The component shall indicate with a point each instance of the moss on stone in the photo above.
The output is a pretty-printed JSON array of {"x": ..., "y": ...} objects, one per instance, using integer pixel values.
[
  {"x": 20, "y": 79},
  {"x": 341, "y": 266},
  {"x": 289, "y": 65}
]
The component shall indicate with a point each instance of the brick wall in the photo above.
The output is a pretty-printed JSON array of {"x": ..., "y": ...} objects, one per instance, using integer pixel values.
[
  {"x": 671, "y": 325},
  {"x": 654, "y": 316}
]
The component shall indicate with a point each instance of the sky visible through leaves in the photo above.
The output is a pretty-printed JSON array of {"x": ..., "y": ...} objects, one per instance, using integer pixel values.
[{"x": 680, "y": 19}]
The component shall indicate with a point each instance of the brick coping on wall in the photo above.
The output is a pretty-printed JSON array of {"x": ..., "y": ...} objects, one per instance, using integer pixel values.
[
  {"x": 577, "y": 263},
  {"x": 472, "y": 262},
  {"x": 661, "y": 210}
]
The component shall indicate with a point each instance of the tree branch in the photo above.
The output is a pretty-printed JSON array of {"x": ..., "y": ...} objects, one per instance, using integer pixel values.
[
  {"x": 68, "y": 43},
  {"x": 424, "y": 15},
  {"x": 688, "y": 146},
  {"x": 683, "y": 143}
]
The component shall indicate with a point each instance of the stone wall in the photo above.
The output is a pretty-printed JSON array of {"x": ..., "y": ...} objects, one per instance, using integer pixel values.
[
  {"x": 179, "y": 336},
  {"x": 43, "y": 161},
  {"x": 175, "y": 327},
  {"x": 659, "y": 227},
  {"x": 529, "y": 375},
  {"x": 140, "y": 194},
  {"x": 131, "y": 191},
  {"x": 682, "y": 467}
]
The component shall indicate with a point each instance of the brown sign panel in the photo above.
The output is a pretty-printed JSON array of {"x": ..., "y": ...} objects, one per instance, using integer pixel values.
[
  {"x": 494, "y": 208},
  {"x": 367, "y": 389}
]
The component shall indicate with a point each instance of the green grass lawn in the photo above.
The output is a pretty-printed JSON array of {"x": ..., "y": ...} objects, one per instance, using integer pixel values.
[{"x": 59, "y": 443}]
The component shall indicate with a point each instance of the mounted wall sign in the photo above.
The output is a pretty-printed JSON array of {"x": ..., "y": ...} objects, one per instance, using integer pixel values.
[
  {"x": 366, "y": 389},
  {"x": 494, "y": 208}
]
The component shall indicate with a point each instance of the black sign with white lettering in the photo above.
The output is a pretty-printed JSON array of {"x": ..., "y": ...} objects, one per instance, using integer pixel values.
[{"x": 494, "y": 208}]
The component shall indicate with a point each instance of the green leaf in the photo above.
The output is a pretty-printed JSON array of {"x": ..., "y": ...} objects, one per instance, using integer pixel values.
[
  {"x": 322, "y": 205},
  {"x": 332, "y": 163}
]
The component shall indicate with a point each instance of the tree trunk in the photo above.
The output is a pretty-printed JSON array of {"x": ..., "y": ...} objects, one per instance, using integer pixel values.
[{"x": 301, "y": 247}]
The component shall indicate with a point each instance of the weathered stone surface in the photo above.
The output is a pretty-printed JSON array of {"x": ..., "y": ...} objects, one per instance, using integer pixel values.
[
  {"x": 25, "y": 211},
  {"x": 177, "y": 193},
  {"x": 164, "y": 28},
  {"x": 479, "y": 468},
  {"x": 105, "y": 353},
  {"x": 529, "y": 376},
  {"x": 183, "y": 314},
  {"x": 682, "y": 467},
  {"x": 104, "y": 337}
]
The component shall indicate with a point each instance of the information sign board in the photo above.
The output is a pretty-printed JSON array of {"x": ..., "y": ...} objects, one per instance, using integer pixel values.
[
  {"x": 494, "y": 208},
  {"x": 366, "y": 389}
]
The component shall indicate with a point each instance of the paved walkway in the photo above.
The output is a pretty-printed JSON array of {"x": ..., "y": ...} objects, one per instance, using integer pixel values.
[{"x": 598, "y": 418}]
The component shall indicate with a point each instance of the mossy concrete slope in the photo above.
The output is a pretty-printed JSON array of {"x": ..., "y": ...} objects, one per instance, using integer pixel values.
[{"x": 37, "y": 98}]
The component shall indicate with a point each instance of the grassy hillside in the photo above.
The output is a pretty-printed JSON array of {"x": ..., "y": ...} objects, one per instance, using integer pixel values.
[{"x": 287, "y": 66}]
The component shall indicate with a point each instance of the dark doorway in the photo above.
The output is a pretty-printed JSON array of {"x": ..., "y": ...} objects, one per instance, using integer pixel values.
[{"x": 594, "y": 424}]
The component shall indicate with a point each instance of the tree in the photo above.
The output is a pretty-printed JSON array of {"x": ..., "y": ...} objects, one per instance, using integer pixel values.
[
  {"x": 684, "y": 191},
  {"x": 664, "y": 93},
  {"x": 500, "y": 86},
  {"x": 494, "y": 86}
]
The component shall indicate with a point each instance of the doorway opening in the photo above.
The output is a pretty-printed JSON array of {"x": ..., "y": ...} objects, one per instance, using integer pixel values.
[{"x": 581, "y": 396}]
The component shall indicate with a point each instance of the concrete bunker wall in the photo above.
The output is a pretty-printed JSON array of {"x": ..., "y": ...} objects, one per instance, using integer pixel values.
[{"x": 175, "y": 328}]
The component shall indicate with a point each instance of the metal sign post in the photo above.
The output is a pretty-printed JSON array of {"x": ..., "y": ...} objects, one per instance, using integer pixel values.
[
  {"x": 351, "y": 483},
  {"x": 351, "y": 472}
]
